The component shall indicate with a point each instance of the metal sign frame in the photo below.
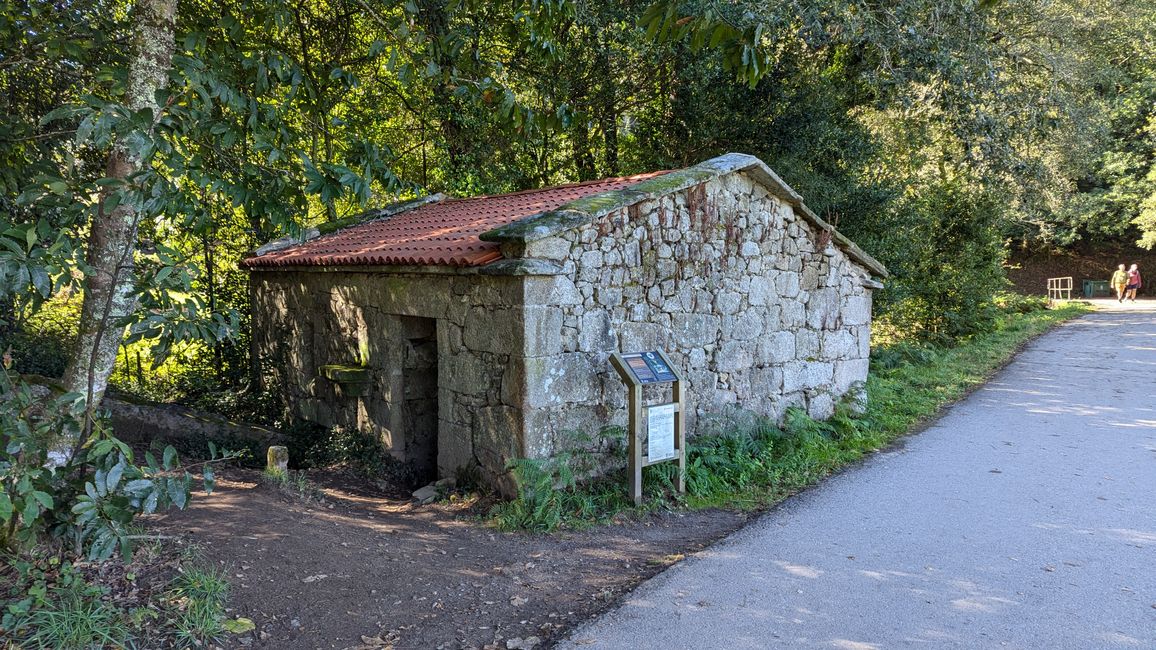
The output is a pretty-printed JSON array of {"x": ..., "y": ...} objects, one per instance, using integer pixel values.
[{"x": 634, "y": 384}]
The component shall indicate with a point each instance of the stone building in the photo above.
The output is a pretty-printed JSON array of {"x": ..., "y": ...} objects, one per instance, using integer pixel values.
[{"x": 468, "y": 332}]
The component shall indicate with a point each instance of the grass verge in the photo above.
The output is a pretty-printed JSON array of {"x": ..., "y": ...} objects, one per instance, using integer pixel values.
[
  {"x": 749, "y": 462},
  {"x": 164, "y": 598}
]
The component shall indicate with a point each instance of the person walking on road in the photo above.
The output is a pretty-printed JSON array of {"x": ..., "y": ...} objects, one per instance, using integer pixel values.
[
  {"x": 1134, "y": 282},
  {"x": 1119, "y": 282}
]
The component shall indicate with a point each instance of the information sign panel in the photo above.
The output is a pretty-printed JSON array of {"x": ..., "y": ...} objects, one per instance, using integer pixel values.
[
  {"x": 659, "y": 427},
  {"x": 649, "y": 367},
  {"x": 660, "y": 432}
]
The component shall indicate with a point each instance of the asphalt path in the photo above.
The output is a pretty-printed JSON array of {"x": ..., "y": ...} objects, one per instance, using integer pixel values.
[{"x": 1024, "y": 518}]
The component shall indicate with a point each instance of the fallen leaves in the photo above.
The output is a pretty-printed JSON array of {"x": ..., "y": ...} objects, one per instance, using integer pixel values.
[{"x": 239, "y": 625}]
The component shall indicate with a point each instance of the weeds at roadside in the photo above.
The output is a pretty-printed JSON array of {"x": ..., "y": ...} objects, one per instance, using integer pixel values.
[
  {"x": 752, "y": 462},
  {"x": 197, "y": 598},
  {"x": 294, "y": 484},
  {"x": 165, "y": 597}
]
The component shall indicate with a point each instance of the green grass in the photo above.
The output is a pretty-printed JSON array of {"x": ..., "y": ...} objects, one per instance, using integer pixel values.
[
  {"x": 752, "y": 462},
  {"x": 294, "y": 484},
  {"x": 49, "y": 604},
  {"x": 75, "y": 617},
  {"x": 197, "y": 599}
]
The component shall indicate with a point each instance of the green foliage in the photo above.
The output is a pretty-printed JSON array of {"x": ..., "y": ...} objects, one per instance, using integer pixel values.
[
  {"x": 40, "y": 340},
  {"x": 312, "y": 445},
  {"x": 293, "y": 483},
  {"x": 945, "y": 254},
  {"x": 550, "y": 494},
  {"x": 84, "y": 497},
  {"x": 53, "y": 604},
  {"x": 62, "y": 610},
  {"x": 201, "y": 594}
]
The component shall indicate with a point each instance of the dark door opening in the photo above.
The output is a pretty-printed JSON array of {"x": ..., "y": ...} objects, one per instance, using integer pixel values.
[{"x": 420, "y": 405}]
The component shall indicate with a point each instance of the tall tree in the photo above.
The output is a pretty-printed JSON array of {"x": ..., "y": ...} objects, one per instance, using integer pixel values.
[{"x": 109, "y": 278}]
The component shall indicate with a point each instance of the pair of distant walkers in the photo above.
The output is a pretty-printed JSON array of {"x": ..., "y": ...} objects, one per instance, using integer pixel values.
[{"x": 1126, "y": 283}]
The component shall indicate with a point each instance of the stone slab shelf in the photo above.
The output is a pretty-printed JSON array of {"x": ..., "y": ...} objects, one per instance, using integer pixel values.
[{"x": 352, "y": 381}]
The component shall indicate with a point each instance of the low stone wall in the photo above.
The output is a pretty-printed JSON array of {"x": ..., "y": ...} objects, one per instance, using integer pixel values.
[{"x": 135, "y": 421}]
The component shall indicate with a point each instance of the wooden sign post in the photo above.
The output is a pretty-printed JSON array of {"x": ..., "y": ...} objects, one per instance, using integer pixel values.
[{"x": 665, "y": 434}]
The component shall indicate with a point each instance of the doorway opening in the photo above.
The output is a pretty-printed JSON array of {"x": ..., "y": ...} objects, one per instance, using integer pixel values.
[{"x": 420, "y": 396}]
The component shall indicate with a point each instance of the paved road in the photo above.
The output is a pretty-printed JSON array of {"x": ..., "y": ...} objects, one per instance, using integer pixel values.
[{"x": 1025, "y": 518}]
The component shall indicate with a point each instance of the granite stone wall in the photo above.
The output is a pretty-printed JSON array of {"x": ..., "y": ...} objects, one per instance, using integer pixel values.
[
  {"x": 431, "y": 342},
  {"x": 758, "y": 308}
]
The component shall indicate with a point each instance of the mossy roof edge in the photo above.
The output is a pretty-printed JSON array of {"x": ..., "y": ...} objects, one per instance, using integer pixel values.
[
  {"x": 589, "y": 208},
  {"x": 330, "y": 227}
]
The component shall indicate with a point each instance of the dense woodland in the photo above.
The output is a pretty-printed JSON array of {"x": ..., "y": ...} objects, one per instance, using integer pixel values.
[
  {"x": 176, "y": 135},
  {"x": 147, "y": 145}
]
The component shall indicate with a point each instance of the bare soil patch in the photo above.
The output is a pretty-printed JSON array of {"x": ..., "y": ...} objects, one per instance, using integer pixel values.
[{"x": 369, "y": 570}]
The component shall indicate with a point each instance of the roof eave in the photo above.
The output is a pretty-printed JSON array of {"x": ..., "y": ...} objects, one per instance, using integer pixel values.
[
  {"x": 337, "y": 225},
  {"x": 587, "y": 209}
]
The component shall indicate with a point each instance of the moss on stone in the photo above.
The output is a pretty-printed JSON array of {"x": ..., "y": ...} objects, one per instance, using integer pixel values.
[
  {"x": 346, "y": 374},
  {"x": 337, "y": 224},
  {"x": 588, "y": 208}
]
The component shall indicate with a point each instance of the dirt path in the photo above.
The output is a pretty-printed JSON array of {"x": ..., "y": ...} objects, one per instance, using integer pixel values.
[{"x": 409, "y": 576}]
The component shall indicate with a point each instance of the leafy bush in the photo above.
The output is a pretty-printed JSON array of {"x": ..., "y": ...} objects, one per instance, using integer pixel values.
[
  {"x": 40, "y": 344},
  {"x": 1014, "y": 303},
  {"x": 312, "y": 445},
  {"x": 945, "y": 255},
  {"x": 87, "y": 500}
]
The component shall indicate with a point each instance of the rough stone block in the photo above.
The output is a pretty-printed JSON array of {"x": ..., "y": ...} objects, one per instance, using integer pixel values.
[
  {"x": 807, "y": 345},
  {"x": 465, "y": 373},
  {"x": 857, "y": 309},
  {"x": 804, "y": 375},
  {"x": 840, "y": 344},
  {"x": 595, "y": 333},
  {"x": 777, "y": 347},
  {"x": 551, "y": 290},
  {"x": 793, "y": 314},
  {"x": 820, "y": 405},
  {"x": 608, "y": 296},
  {"x": 863, "y": 337},
  {"x": 277, "y": 459},
  {"x": 742, "y": 327},
  {"x": 823, "y": 309},
  {"x": 763, "y": 291},
  {"x": 549, "y": 248},
  {"x": 543, "y": 327},
  {"x": 455, "y": 447},
  {"x": 765, "y": 381},
  {"x": 633, "y": 337},
  {"x": 734, "y": 355},
  {"x": 787, "y": 284},
  {"x": 848, "y": 373},
  {"x": 563, "y": 378},
  {"x": 497, "y": 437},
  {"x": 728, "y": 302},
  {"x": 690, "y": 331},
  {"x": 494, "y": 330}
]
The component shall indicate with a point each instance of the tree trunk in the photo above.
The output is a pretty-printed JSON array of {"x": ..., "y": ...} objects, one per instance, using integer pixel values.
[{"x": 108, "y": 295}]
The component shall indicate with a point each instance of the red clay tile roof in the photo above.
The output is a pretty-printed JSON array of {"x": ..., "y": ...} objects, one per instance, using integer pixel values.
[{"x": 442, "y": 234}]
